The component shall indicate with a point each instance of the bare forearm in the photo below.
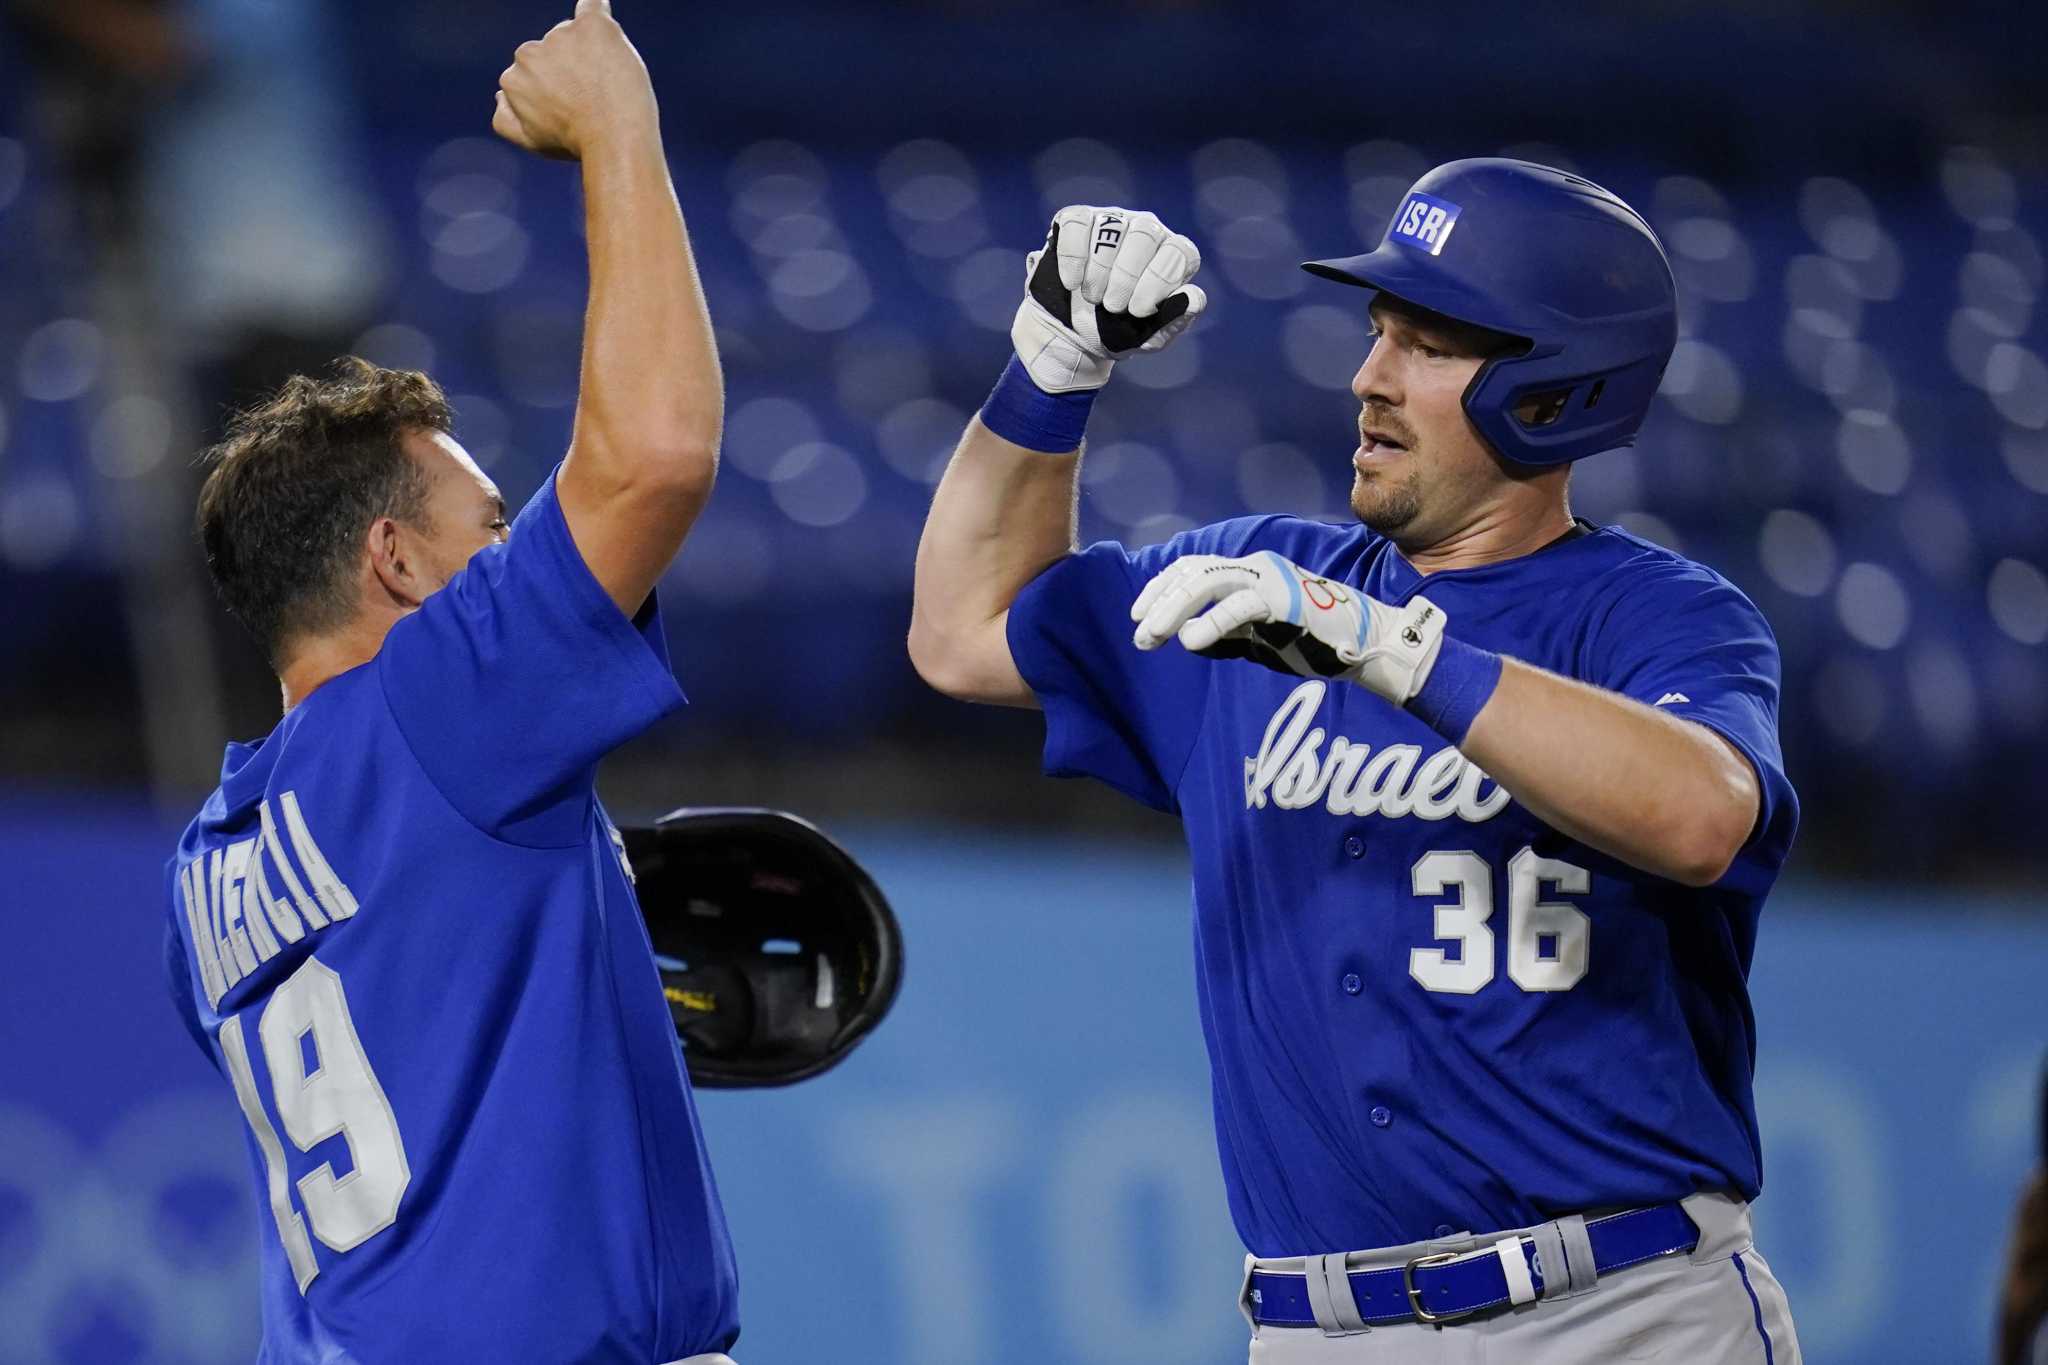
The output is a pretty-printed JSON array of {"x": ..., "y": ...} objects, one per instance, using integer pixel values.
[
  {"x": 1001, "y": 514},
  {"x": 1655, "y": 791},
  {"x": 644, "y": 449},
  {"x": 652, "y": 400}
]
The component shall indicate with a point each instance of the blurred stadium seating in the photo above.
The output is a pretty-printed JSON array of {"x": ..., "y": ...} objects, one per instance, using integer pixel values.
[{"x": 1854, "y": 427}]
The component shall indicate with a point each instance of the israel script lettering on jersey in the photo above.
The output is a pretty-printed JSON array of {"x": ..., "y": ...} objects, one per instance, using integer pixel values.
[{"x": 1294, "y": 772}]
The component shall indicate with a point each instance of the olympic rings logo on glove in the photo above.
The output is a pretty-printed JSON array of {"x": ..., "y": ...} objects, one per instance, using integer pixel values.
[{"x": 1322, "y": 593}]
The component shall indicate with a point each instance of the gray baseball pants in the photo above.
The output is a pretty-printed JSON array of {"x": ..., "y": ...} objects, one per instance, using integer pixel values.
[{"x": 1718, "y": 1305}]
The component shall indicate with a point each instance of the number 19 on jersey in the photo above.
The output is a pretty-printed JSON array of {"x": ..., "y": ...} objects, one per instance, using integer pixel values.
[{"x": 332, "y": 1090}]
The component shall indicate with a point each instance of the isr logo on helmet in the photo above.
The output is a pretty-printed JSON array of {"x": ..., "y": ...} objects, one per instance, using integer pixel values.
[{"x": 1425, "y": 221}]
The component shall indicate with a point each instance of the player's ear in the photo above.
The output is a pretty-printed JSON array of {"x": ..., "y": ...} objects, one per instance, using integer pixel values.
[{"x": 395, "y": 562}]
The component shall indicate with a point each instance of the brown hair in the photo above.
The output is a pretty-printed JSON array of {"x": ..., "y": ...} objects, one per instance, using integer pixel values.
[
  {"x": 296, "y": 481},
  {"x": 2024, "y": 1309}
]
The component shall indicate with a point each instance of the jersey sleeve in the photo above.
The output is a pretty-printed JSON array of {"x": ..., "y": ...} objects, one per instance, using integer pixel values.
[
  {"x": 178, "y": 977},
  {"x": 1679, "y": 638},
  {"x": 1114, "y": 712},
  {"x": 511, "y": 682}
]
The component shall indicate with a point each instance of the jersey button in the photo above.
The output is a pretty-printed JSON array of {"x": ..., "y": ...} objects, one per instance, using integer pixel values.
[
  {"x": 1354, "y": 845},
  {"x": 1381, "y": 1116},
  {"x": 1352, "y": 985},
  {"x": 1444, "y": 1229}
]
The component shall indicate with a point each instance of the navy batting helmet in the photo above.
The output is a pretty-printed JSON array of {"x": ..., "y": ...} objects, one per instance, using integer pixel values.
[
  {"x": 777, "y": 951},
  {"x": 1554, "y": 260}
]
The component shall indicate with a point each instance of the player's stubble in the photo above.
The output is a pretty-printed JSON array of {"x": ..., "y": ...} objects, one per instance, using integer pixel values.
[
  {"x": 1427, "y": 485},
  {"x": 1385, "y": 504},
  {"x": 1386, "y": 501}
]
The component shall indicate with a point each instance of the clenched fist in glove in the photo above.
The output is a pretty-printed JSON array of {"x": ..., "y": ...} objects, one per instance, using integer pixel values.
[
  {"x": 1107, "y": 283},
  {"x": 1268, "y": 610}
]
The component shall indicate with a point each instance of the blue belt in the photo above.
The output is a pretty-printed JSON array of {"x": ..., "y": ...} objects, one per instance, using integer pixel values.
[{"x": 1447, "y": 1286}]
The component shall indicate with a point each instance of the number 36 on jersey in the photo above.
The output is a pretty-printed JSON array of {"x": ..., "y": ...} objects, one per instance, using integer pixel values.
[{"x": 1548, "y": 939}]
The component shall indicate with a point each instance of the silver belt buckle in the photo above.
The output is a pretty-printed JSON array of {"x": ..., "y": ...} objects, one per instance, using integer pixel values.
[{"x": 1415, "y": 1296}]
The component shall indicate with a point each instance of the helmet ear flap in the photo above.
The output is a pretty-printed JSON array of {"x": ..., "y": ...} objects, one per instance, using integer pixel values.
[
  {"x": 1532, "y": 413},
  {"x": 1543, "y": 409}
]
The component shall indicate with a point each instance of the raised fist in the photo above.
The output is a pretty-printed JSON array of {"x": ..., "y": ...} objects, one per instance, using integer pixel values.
[
  {"x": 1107, "y": 283},
  {"x": 580, "y": 84}
]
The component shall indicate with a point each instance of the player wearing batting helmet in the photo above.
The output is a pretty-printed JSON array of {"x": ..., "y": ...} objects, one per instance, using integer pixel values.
[
  {"x": 1480, "y": 846},
  {"x": 403, "y": 927}
]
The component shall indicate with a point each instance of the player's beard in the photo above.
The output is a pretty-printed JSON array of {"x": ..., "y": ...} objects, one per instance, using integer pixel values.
[{"x": 1386, "y": 505}]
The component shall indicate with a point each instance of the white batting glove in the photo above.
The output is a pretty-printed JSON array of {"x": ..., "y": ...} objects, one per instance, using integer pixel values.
[
  {"x": 1107, "y": 283},
  {"x": 1270, "y": 611}
]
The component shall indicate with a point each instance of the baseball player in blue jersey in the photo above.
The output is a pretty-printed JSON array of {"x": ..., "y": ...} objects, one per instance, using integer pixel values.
[
  {"x": 1479, "y": 846},
  {"x": 402, "y": 927}
]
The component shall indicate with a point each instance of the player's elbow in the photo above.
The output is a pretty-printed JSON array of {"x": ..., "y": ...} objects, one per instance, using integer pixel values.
[
  {"x": 967, "y": 664},
  {"x": 1711, "y": 814},
  {"x": 1701, "y": 866},
  {"x": 1706, "y": 846},
  {"x": 684, "y": 467},
  {"x": 674, "y": 461},
  {"x": 667, "y": 478},
  {"x": 939, "y": 660}
]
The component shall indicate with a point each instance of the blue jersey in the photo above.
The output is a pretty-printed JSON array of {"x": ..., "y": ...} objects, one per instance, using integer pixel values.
[
  {"x": 404, "y": 929},
  {"x": 1425, "y": 1009}
]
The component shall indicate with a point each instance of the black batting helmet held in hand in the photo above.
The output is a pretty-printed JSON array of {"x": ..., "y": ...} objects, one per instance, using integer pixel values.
[{"x": 777, "y": 951}]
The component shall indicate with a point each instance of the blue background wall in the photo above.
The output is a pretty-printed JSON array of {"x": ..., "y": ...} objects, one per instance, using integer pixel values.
[{"x": 1018, "y": 1167}]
